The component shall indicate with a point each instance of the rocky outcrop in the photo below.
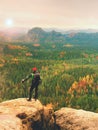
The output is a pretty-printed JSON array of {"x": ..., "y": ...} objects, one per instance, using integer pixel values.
[
  {"x": 20, "y": 114},
  {"x": 72, "y": 119}
]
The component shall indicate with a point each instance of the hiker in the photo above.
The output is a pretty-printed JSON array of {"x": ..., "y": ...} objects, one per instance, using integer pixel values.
[{"x": 35, "y": 82}]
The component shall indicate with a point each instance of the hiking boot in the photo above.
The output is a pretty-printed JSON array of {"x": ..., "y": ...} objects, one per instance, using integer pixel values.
[
  {"x": 28, "y": 99},
  {"x": 35, "y": 98}
]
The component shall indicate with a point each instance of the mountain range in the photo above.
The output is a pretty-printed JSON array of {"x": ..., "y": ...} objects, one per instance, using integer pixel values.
[{"x": 39, "y": 35}]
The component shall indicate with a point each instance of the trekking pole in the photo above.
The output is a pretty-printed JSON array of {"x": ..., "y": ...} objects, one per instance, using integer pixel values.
[{"x": 24, "y": 90}]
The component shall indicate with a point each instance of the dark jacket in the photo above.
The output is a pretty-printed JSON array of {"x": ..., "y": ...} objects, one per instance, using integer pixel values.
[{"x": 35, "y": 78}]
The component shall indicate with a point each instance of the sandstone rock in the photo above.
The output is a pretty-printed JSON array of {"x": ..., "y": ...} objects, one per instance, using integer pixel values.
[
  {"x": 71, "y": 119},
  {"x": 20, "y": 114}
]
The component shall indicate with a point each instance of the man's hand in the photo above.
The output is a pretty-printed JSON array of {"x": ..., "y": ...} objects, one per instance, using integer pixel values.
[{"x": 22, "y": 80}]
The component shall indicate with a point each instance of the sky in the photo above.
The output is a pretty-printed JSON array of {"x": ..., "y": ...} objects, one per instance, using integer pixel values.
[{"x": 62, "y": 14}]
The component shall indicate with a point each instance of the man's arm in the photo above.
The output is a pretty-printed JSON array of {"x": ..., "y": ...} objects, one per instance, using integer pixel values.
[{"x": 27, "y": 77}]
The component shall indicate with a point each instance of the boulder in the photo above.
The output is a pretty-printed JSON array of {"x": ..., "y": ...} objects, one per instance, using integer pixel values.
[
  {"x": 20, "y": 114},
  {"x": 72, "y": 119}
]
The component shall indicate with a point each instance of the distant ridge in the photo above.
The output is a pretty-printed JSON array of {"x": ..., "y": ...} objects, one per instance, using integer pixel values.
[{"x": 41, "y": 36}]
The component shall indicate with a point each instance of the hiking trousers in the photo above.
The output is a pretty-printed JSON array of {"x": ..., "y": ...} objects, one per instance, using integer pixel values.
[{"x": 31, "y": 90}]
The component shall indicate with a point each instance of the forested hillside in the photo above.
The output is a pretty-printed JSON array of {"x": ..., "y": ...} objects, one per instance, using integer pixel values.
[{"x": 69, "y": 71}]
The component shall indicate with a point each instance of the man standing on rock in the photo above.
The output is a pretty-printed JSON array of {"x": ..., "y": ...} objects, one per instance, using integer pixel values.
[{"x": 35, "y": 82}]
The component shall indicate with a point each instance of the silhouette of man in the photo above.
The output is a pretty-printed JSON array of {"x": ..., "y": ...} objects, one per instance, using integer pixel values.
[{"x": 35, "y": 82}]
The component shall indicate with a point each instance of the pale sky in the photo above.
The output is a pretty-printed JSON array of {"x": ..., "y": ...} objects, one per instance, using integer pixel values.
[{"x": 65, "y": 14}]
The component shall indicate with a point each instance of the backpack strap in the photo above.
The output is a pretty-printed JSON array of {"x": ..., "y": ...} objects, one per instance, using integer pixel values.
[{"x": 32, "y": 75}]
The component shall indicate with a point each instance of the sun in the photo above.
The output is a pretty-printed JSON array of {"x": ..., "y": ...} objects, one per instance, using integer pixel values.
[{"x": 9, "y": 22}]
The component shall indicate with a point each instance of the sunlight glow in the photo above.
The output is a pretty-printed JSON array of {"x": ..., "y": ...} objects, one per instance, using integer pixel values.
[{"x": 9, "y": 22}]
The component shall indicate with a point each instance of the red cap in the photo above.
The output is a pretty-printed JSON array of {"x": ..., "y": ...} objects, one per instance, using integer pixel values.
[{"x": 34, "y": 69}]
